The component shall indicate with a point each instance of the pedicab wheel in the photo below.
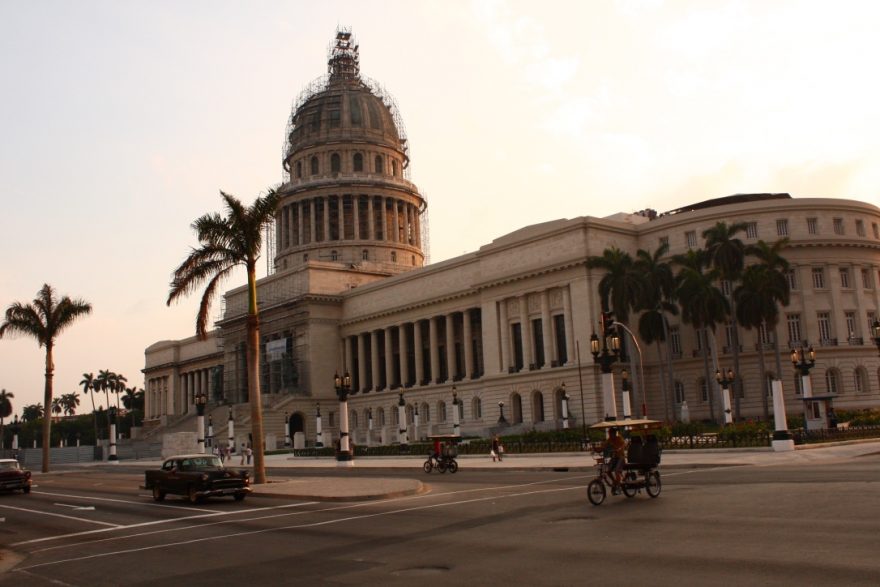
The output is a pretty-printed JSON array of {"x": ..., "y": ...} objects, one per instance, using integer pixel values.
[
  {"x": 596, "y": 492},
  {"x": 428, "y": 466},
  {"x": 453, "y": 466},
  {"x": 441, "y": 466},
  {"x": 629, "y": 486},
  {"x": 652, "y": 484}
]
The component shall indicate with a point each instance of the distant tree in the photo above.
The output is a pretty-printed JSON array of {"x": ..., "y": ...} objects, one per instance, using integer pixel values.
[
  {"x": 5, "y": 410},
  {"x": 44, "y": 319},
  {"x": 88, "y": 385},
  {"x": 70, "y": 401},
  {"x": 31, "y": 412},
  {"x": 57, "y": 407}
]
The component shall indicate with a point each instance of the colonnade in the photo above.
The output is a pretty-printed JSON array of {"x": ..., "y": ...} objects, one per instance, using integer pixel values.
[
  {"x": 165, "y": 400},
  {"x": 348, "y": 217}
]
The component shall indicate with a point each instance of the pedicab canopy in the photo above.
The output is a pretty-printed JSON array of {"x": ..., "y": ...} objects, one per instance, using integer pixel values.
[{"x": 628, "y": 424}]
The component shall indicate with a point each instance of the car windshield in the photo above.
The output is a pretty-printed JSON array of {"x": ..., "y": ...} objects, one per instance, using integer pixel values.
[
  {"x": 9, "y": 466},
  {"x": 202, "y": 463}
]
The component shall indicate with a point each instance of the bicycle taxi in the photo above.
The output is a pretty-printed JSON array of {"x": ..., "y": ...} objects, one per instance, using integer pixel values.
[
  {"x": 443, "y": 453},
  {"x": 641, "y": 469}
]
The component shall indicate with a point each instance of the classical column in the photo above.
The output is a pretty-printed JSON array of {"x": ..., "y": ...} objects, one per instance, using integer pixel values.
[
  {"x": 569, "y": 327},
  {"x": 371, "y": 219},
  {"x": 525, "y": 331},
  {"x": 312, "y": 209},
  {"x": 403, "y": 348},
  {"x": 395, "y": 222},
  {"x": 504, "y": 328},
  {"x": 450, "y": 347},
  {"x": 356, "y": 215},
  {"x": 374, "y": 359},
  {"x": 417, "y": 352},
  {"x": 389, "y": 358},
  {"x": 435, "y": 349},
  {"x": 406, "y": 225},
  {"x": 546, "y": 332},
  {"x": 384, "y": 218},
  {"x": 362, "y": 363},
  {"x": 326, "y": 218},
  {"x": 340, "y": 210},
  {"x": 467, "y": 344},
  {"x": 299, "y": 224}
]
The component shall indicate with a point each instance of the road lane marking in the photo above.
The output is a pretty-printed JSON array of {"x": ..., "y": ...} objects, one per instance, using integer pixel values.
[
  {"x": 9, "y": 507},
  {"x": 76, "y": 507},
  {"x": 108, "y": 499},
  {"x": 154, "y": 523}
]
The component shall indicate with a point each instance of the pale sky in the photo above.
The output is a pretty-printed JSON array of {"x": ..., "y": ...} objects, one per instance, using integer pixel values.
[{"x": 120, "y": 121}]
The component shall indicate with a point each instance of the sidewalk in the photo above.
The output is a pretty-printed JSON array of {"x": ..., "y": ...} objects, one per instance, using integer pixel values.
[{"x": 355, "y": 487}]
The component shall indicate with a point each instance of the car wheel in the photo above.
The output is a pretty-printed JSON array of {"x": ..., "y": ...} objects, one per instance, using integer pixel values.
[
  {"x": 26, "y": 489},
  {"x": 192, "y": 494},
  {"x": 158, "y": 494},
  {"x": 239, "y": 496}
]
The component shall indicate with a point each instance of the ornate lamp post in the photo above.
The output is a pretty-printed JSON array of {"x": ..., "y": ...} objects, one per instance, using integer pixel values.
[
  {"x": 201, "y": 401},
  {"x": 564, "y": 407},
  {"x": 456, "y": 414},
  {"x": 875, "y": 331},
  {"x": 416, "y": 436},
  {"x": 401, "y": 420},
  {"x": 605, "y": 353},
  {"x": 725, "y": 380},
  {"x": 501, "y": 418},
  {"x": 803, "y": 359},
  {"x": 286, "y": 429},
  {"x": 369, "y": 426},
  {"x": 210, "y": 437},
  {"x": 319, "y": 432},
  {"x": 112, "y": 458},
  {"x": 230, "y": 427},
  {"x": 15, "y": 427},
  {"x": 343, "y": 389},
  {"x": 625, "y": 393}
]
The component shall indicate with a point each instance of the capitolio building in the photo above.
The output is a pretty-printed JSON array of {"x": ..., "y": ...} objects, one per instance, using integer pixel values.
[{"x": 502, "y": 334}]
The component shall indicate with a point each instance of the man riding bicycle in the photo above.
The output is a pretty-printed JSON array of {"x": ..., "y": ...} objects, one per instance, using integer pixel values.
[{"x": 615, "y": 448}]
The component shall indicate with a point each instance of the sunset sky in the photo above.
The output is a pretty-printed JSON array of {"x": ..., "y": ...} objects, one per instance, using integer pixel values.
[{"x": 122, "y": 120}]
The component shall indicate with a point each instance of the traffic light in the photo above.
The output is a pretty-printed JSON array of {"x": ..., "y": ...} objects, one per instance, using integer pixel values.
[{"x": 607, "y": 324}]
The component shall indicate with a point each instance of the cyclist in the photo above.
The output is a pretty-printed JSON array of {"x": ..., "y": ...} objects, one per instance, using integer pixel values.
[{"x": 615, "y": 447}]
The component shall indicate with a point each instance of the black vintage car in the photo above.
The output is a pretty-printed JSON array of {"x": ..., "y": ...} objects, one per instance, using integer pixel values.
[
  {"x": 196, "y": 476},
  {"x": 13, "y": 477}
]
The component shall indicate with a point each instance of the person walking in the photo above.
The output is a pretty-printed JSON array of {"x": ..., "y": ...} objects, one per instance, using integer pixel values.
[
  {"x": 497, "y": 449},
  {"x": 249, "y": 453},
  {"x": 241, "y": 462}
]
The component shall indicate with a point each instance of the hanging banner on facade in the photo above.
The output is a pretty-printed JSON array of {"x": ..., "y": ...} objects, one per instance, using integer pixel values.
[{"x": 275, "y": 349}]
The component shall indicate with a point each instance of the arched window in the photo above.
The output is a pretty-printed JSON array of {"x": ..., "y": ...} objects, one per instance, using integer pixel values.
[
  {"x": 367, "y": 416},
  {"x": 394, "y": 168},
  {"x": 861, "y": 379},
  {"x": 334, "y": 255},
  {"x": 832, "y": 381},
  {"x": 395, "y": 417},
  {"x": 331, "y": 419},
  {"x": 335, "y": 163},
  {"x": 314, "y": 164},
  {"x": 425, "y": 413},
  {"x": 299, "y": 169},
  {"x": 381, "y": 416},
  {"x": 354, "y": 419},
  {"x": 393, "y": 256},
  {"x": 537, "y": 406},
  {"x": 441, "y": 411},
  {"x": 679, "y": 392},
  {"x": 378, "y": 166},
  {"x": 704, "y": 391},
  {"x": 365, "y": 255},
  {"x": 477, "y": 408},
  {"x": 358, "y": 162},
  {"x": 409, "y": 414},
  {"x": 413, "y": 260},
  {"x": 516, "y": 408}
]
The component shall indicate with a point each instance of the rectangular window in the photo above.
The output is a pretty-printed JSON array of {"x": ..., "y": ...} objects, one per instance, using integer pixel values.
[
  {"x": 813, "y": 225},
  {"x": 728, "y": 336},
  {"x": 794, "y": 328},
  {"x": 516, "y": 334},
  {"x": 850, "y": 324},
  {"x": 764, "y": 335},
  {"x": 675, "y": 340},
  {"x": 752, "y": 230},
  {"x": 704, "y": 390},
  {"x": 866, "y": 279},
  {"x": 818, "y": 278},
  {"x": 838, "y": 225},
  {"x": 824, "y": 326},
  {"x": 664, "y": 240},
  {"x": 690, "y": 238},
  {"x": 860, "y": 228},
  {"x": 782, "y": 227},
  {"x": 798, "y": 384},
  {"x": 538, "y": 341},
  {"x": 844, "y": 278},
  {"x": 561, "y": 347},
  {"x": 791, "y": 275},
  {"x": 876, "y": 228},
  {"x": 871, "y": 318},
  {"x": 725, "y": 287},
  {"x": 679, "y": 392}
]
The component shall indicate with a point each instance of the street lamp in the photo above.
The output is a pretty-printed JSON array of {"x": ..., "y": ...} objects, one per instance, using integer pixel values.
[
  {"x": 627, "y": 402},
  {"x": 210, "y": 437},
  {"x": 369, "y": 426},
  {"x": 501, "y": 418},
  {"x": 456, "y": 415},
  {"x": 112, "y": 458},
  {"x": 286, "y": 429},
  {"x": 875, "y": 330},
  {"x": 605, "y": 353},
  {"x": 343, "y": 389},
  {"x": 201, "y": 400},
  {"x": 401, "y": 421},
  {"x": 803, "y": 359},
  {"x": 725, "y": 380},
  {"x": 15, "y": 427},
  {"x": 564, "y": 407},
  {"x": 319, "y": 432},
  {"x": 416, "y": 436},
  {"x": 230, "y": 428}
]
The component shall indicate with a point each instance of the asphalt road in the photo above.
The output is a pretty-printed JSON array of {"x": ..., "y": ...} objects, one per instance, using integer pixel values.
[{"x": 804, "y": 525}]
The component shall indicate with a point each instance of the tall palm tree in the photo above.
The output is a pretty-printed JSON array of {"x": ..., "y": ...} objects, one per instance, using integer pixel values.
[
  {"x": 104, "y": 382},
  {"x": 5, "y": 411},
  {"x": 702, "y": 303},
  {"x": 133, "y": 399},
  {"x": 57, "y": 407},
  {"x": 70, "y": 401},
  {"x": 44, "y": 319},
  {"x": 657, "y": 301},
  {"x": 119, "y": 382},
  {"x": 778, "y": 267},
  {"x": 226, "y": 242},
  {"x": 727, "y": 254},
  {"x": 88, "y": 384}
]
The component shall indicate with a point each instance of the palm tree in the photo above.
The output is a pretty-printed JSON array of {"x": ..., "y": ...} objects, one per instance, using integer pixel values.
[
  {"x": 727, "y": 254},
  {"x": 119, "y": 382},
  {"x": 57, "y": 407},
  {"x": 133, "y": 399},
  {"x": 88, "y": 385},
  {"x": 702, "y": 304},
  {"x": 5, "y": 411},
  {"x": 45, "y": 319},
  {"x": 31, "y": 412},
  {"x": 764, "y": 286},
  {"x": 225, "y": 243},
  {"x": 70, "y": 401},
  {"x": 104, "y": 382},
  {"x": 657, "y": 302}
]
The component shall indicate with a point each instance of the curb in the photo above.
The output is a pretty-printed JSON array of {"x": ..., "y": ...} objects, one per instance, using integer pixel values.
[{"x": 419, "y": 489}]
